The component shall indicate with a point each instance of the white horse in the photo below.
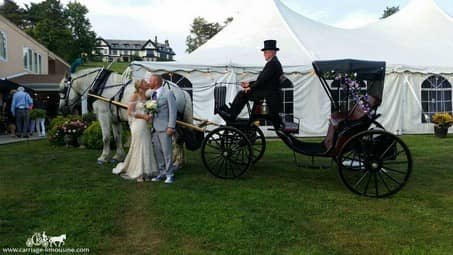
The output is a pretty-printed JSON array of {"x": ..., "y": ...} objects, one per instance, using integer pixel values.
[
  {"x": 108, "y": 115},
  {"x": 57, "y": 240}
]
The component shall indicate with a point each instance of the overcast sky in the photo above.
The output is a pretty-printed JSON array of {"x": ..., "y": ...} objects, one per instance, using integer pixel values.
[{"x": 171, "y": 19}]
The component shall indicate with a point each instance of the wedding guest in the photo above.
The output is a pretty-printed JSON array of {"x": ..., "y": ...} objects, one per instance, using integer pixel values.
[
  {"x": 20, "y": 106},
  {"x": 40, "y": 122},
  {"x": 10, "y": 119}
]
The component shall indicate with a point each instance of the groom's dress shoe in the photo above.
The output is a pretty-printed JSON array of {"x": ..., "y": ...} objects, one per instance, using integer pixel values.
[
  {"x": 169, "y": 180},
  {"x": 158, "y": 178}
]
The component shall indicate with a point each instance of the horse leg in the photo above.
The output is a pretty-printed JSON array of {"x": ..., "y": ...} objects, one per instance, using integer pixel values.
[
  {"x": 117, "y": 135},
  {"x": 178, "y": 142},
  {"x": 105, "y": 122},
  {"x": 178, "y": 153}
]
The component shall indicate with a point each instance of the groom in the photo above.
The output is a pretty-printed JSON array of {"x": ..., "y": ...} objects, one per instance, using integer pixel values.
[{"x": 164, "y": 123}]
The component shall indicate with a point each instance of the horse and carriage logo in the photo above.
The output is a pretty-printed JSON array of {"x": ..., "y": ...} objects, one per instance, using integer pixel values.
[{"x": 41, "y": 239}]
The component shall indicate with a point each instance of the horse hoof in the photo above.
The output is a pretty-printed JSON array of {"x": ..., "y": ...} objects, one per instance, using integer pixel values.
[{"x": 100, "y": 162}]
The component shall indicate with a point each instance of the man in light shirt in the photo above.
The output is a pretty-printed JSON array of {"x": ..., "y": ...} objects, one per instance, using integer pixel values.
[{"x": 20, "y": 106}]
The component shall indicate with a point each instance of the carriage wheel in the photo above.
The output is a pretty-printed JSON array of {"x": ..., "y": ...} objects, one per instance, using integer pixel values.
[
  {"x": 375, "y": 164},
  {"x": 227, "y": 153},
  {"x": 258, "y": 141}
]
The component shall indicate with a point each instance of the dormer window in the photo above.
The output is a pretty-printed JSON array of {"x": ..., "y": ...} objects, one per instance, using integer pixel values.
[{"x": 3, "y": 46}]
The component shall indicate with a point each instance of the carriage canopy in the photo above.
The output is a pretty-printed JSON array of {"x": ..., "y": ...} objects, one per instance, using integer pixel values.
[{"x": 373, "y": 72}]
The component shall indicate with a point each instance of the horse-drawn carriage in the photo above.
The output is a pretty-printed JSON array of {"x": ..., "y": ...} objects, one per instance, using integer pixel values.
[{"x": 371, "y": 161}]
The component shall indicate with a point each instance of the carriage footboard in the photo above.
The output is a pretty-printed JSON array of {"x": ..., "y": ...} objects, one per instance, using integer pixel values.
[{"x": 306, "y": 148}]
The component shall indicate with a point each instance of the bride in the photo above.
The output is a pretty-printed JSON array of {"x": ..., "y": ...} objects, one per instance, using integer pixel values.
[{"x": 140, "y": 163}]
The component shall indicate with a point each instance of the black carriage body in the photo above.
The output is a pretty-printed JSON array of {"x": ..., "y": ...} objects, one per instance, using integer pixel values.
[{"x": 371, "y": 161}]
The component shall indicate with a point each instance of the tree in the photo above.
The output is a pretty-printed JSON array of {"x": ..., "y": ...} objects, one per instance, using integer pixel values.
[
  {"x": 13, "y": 13},
  {"x": 389, "y": 11},
  {"x": 48, "y": 24},
  {"x": 84, "y": 39},
  {"x": 201, "y": 31},
  {"x": 63, "y": 30}
]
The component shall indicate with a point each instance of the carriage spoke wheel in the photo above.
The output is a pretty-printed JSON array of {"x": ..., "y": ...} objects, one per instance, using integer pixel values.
[
  {"x": 375, "y": 164},
  {"x": 227, "y": 153},
  {"x": 256, "y": 137}
]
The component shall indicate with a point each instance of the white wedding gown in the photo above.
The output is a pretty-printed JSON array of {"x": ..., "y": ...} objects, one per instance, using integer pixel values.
[{"x": 140, "y": 160}]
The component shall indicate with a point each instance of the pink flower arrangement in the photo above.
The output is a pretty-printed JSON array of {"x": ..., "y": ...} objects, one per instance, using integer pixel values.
[{"x": 74, "y": 128}]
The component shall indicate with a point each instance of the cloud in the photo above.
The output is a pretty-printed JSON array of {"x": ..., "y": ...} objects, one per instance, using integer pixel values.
[{"x": 355, "y": 20}]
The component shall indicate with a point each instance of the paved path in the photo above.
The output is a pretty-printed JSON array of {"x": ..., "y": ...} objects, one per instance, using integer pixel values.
[{"x": 7, "y": 139}]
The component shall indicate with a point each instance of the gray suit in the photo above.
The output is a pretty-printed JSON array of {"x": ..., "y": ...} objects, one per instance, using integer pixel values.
[{"x": 163, "y": 119}]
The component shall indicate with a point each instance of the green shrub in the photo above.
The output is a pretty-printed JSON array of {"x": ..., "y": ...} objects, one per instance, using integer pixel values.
[
  {"x": 37, "y": 114},
  {"x": 56, "y": 135},
  {"x": 89, "y": 117},
  {"x": 92, "y": 137}
]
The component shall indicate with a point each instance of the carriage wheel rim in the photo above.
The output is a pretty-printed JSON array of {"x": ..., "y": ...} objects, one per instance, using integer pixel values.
[
  {"x": 229, "y": 150},
  {"x": 379, "y": 174}
]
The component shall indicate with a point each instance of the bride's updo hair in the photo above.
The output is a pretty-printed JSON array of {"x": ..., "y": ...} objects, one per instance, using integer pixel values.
[{"x": 137, "y": 85}]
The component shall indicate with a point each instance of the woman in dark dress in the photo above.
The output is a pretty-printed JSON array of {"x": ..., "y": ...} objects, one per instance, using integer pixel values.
[{"x": 10, "y": 120}]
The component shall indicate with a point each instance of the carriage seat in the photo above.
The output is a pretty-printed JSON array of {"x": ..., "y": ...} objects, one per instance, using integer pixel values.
[
  {"x": 239, "y": 122},
  {"x": 289, "y": 124}
]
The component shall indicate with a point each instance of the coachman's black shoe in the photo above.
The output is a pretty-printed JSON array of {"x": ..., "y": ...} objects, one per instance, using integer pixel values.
[{"x": 226, "y": 115}]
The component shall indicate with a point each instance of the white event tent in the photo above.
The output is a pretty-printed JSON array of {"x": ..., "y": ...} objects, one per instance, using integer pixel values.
[{"x": 416, "y": 43}]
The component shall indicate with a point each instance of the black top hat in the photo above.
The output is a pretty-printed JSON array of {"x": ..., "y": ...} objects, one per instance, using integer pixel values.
[{"x": 270, "y": 45}]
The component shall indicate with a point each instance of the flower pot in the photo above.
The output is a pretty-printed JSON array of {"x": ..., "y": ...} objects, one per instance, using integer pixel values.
[
  {"x": 441, "y": 131},
  {"x": 70, "y": 140}
]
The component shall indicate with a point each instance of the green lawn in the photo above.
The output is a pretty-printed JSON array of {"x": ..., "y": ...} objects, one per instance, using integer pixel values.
[
  {"x": 118, "y": 67},
  {"x": 276, "y": 208}
]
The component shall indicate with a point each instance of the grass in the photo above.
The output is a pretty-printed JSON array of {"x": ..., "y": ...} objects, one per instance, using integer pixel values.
[
  {"x": 276, "y": 208},
  {"x": 118, "y": 67}
]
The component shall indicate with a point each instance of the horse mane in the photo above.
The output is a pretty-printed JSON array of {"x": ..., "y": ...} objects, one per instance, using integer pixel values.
[{"x": 84, "y": 71}]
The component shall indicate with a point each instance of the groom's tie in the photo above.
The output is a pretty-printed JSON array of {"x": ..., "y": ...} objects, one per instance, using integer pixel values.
[{"x": 154, "y": 95}]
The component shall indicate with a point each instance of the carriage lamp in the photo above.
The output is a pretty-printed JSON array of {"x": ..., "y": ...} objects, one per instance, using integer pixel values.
[{"x": 264, "y": 108}]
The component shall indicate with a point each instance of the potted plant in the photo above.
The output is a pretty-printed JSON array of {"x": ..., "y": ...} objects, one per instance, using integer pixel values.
[
  {"x": 72, "y": 130},
  {"x": 442, "y": 121},
  {"x": 37, "y": 114}
]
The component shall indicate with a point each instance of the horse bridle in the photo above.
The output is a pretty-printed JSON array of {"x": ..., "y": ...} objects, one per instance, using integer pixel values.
[{"x": 68, "y": 87}]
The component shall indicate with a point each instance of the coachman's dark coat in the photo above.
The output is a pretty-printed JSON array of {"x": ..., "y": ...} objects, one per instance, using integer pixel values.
[{"x": 267, "y": 85}]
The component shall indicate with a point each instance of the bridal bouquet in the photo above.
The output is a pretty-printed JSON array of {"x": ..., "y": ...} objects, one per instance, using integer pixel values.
[
  {"x": 151, "y": 106},
  {"x": 150, "y": 109}
]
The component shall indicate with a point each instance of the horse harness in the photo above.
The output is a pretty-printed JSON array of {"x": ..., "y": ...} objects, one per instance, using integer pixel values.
[{"x": 97, "y": 88}]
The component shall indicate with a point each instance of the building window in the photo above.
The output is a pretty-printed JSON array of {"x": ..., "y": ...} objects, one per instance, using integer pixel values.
[
  {"x": 27, "y": 64},
  {"x": 106, "y": 51},
  {"x": 114, "y": 52},
  {"x": 436, "y": 97},
  {"x": 35, "y": 62},
  {"x": 39, "y": 64},
  {"x": 3, "y": 46},
  {"x": 32, "y": 61}
]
